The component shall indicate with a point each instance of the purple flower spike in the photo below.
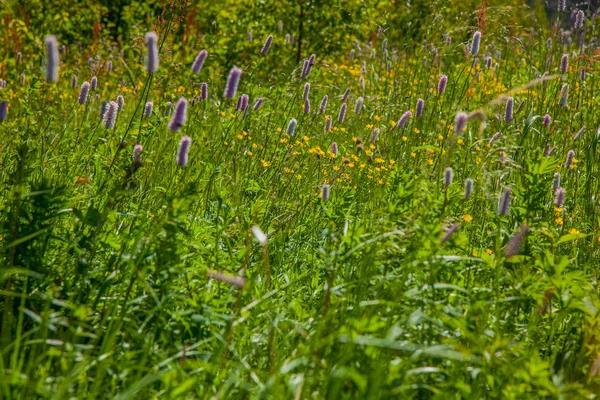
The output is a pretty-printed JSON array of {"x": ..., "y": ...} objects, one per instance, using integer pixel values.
[
  {"x": 342, "y": 113},
  {"x": 564, "y": 64},
  {"x": 419, "y": 108},
  {"x": 306, "y": 91},
  {"x": 323, "y": 105},
  {"x": 258, "y": 103},
  {"x": 345, "y": 95},
  {"x": 579, "y": 17},
  {"x": 148, "y": 109},
  {"x": 232, "y": 83},
  {"x": 358, "y": 105},
  {"x": 184, "y": 146},
  {"x": 442, "y": 84},
  {"x": 403, "y": 119},
  {"x": 504, "y": 203},
  {"x": 179, "y": 115},
  {"x": 508, "y": 114},
  {"x": 199, "y": 61},
  {"x": 83, "y": 92},
  {"x": 460, "y": 122},
  {"x": 52, "y": 58},
  {"x": 292, "y": 127},
  {"x": 3, "y": 110},
  {"x": 94, "y": 83},
  {"x": 546, "y": 121},
  {"x": 203, "y": 91},
  {"x": 111, "y": 115},
  {"x": 476, "y": 43},
  {"x": 152, "y": 49},
  {"x": 267, "y": 45},
  {"x": 334, "y": 148},
  {"x": 307, "y": 106},
  {"x": 137, "y": 154}
]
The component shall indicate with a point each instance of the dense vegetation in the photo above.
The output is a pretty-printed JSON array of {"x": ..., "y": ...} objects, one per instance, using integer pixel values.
[{"x": 430, "y": 231}]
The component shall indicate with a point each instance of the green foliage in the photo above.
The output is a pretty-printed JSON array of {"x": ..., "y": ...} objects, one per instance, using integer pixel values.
[{"x": 123, "y": 279}]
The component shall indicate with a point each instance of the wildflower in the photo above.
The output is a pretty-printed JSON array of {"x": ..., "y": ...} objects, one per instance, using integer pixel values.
[
  {"x": 569, "y": 162},
  {"x": 267, "y": 45},
  {"x": 559, "y": 197},
  {"x": 468, "y": 188},
  {"x": 83, "y": 92},
  {"x": 419, "y": 108},
  {"x": 74, "y": 82},
  {"x": 514, "y": 244},
  {"x": 448, "y": 176},
  {"x": 232, "y": 83},
  {"x": 323, "y": 105},
  {"x": 306, "y": 91},
  {"x": 508, "y": 114},
  {"x": 305, "y": 67},
  {"x": 449, "y": 233},
  {"x": 137, "y": 157},
  {"x": 203, "y": 91},
  {"x": 103, "y": 109},
  {"x": 579, "y": 17},
  {"x": 564, "y": 63},
  {"x": 306, "y": 106},
  {"x": 546, "y": 120},
  {"x": 179, "y": 115},
  {"x": 182, "y": 153},
  {"x": 292, "y": 126},
  {"x": 403, "y": 119},
  {"x": 504, "y": 202},
  {"x": 94, "y": 83},
  {"x": 199, "y": 61},
  {"x": 120, "y": 102},
  {"x": 328, "y": 123},
  {"x": 3, "y": 110},
  {"x": 342, "y": 113},
  {"x": 582, "y": 74},
  {"x": 488, "y": 62},
  {"x": 334, "y": 148},
  {"x": 467, "y": 218},
  {"x": 245, "y": 101},
  {"x": 556, "y": 181},
  {"x": 476, "y": 42},
  {"x": 358, "y": 105},
  {"x": 259, "y": 235},
  {"x": 169, "y": 108},
  {"x": 442, "y": 84},
  {"x": 111, "y": 115},
  {"x": 325, "y": 192},
  {"x": 258, "y": 103},
  {"x": 109, "y": 67},
  {"x": 52, "y": 58},
  {"x": 460, "y": 122},
  {"x": 152, "y": 49},
  {"x": 148, "y": 109},
  {"x": 345, "y": 95},
  {"x": 562, "y": 5}
]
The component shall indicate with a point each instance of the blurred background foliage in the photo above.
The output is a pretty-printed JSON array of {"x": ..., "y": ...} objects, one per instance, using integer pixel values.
[{"x": 317, "y": 26}]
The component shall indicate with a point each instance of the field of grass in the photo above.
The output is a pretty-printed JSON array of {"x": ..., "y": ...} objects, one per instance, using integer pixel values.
[{"x": 392, "y": 218}]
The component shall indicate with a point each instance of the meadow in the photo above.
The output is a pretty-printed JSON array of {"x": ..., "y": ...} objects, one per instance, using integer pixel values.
[{"x": 299, "y": 200}]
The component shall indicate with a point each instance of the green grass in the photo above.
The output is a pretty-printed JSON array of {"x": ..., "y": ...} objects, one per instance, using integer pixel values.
[{"x": 147, "y": 281}]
